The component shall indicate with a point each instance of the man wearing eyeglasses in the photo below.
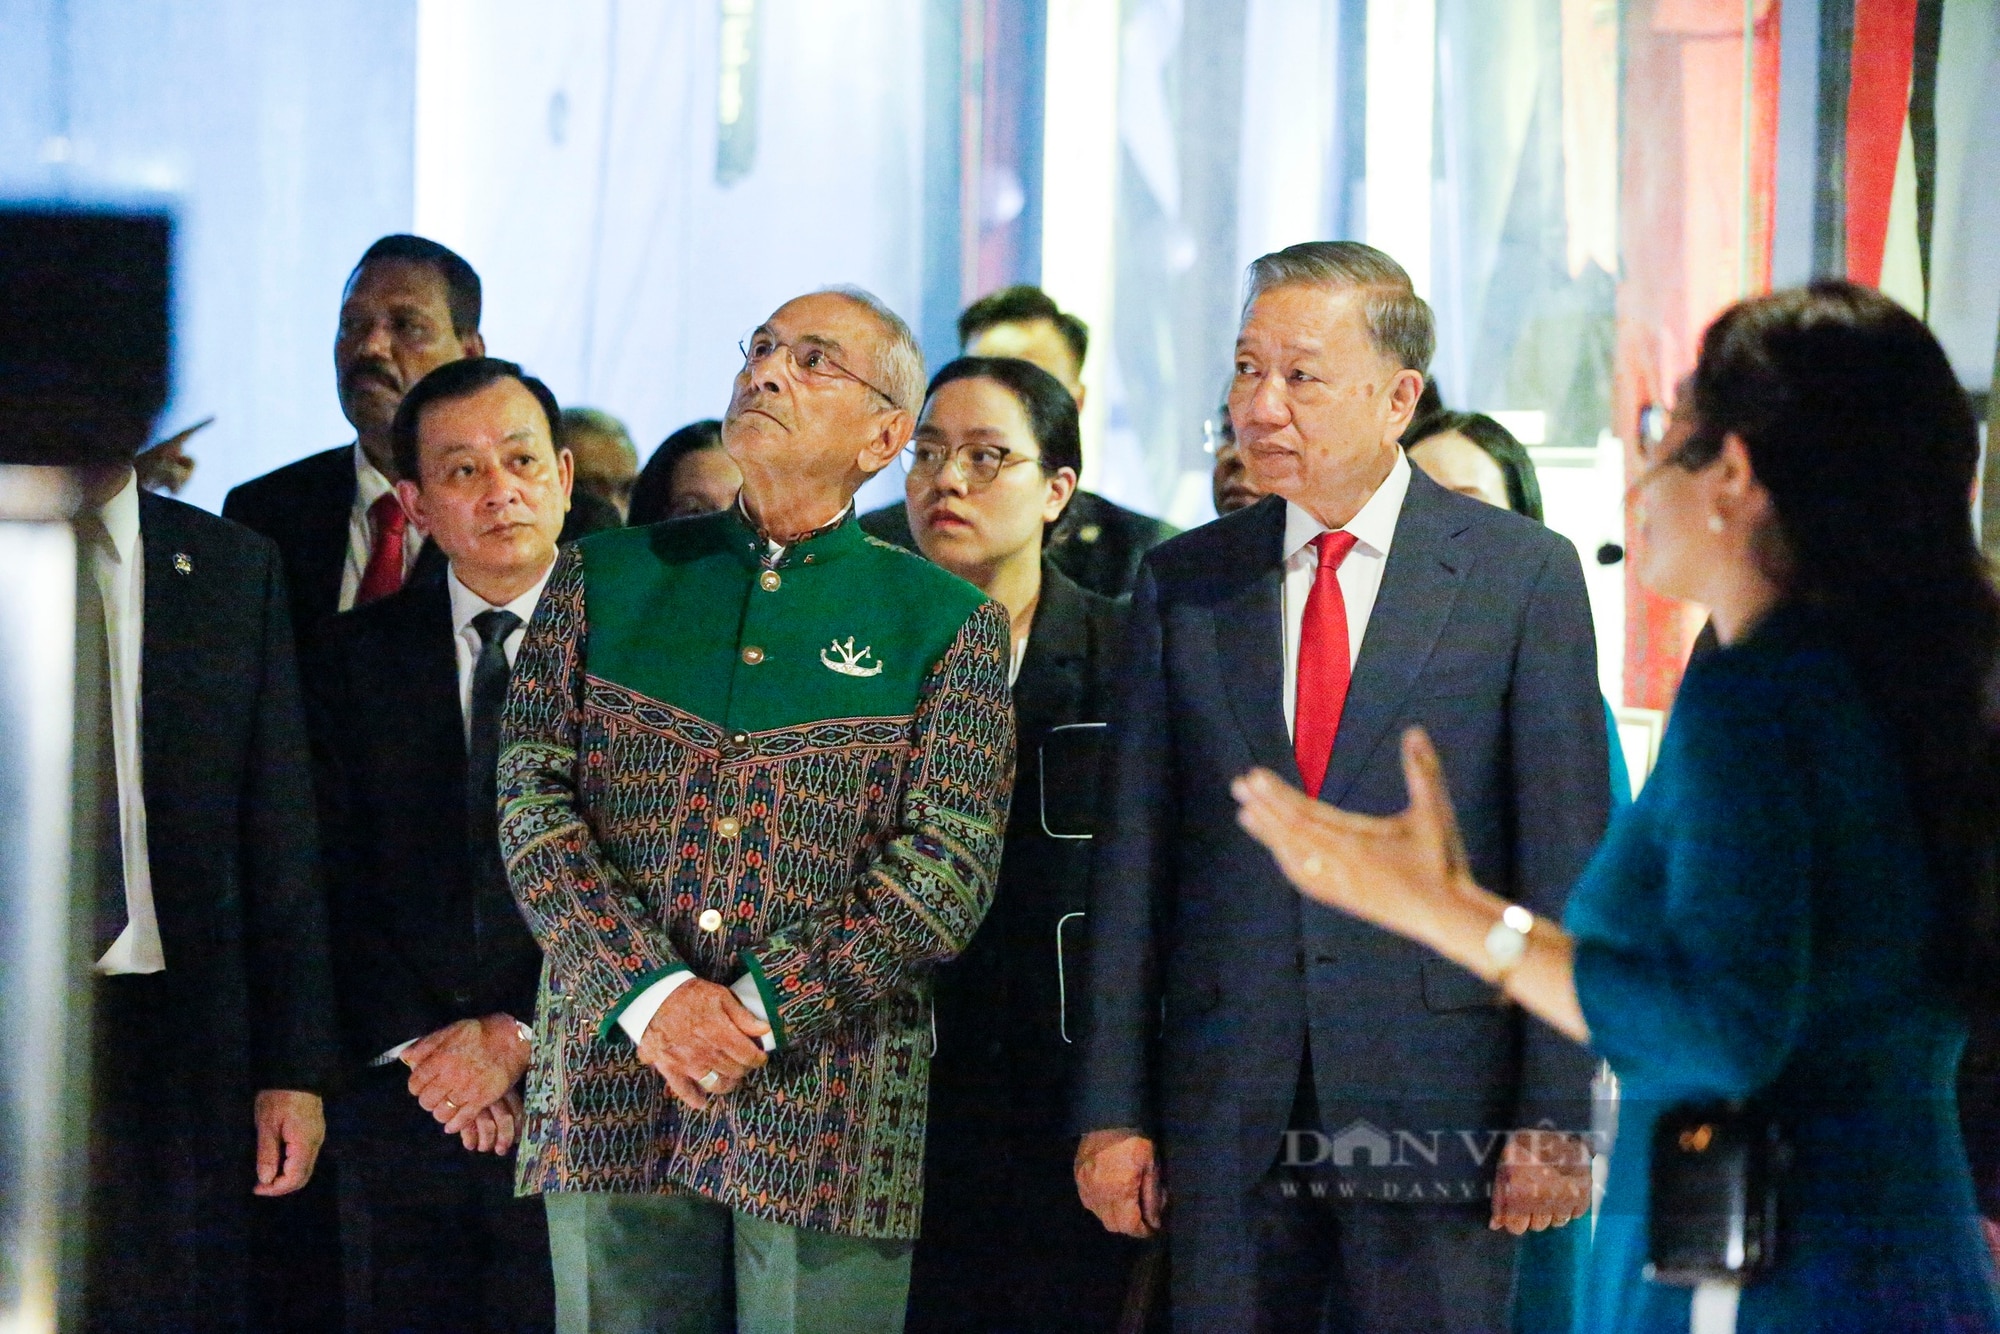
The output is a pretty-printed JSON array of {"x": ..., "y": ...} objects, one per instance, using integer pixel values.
[{"x": 754, "y": 779}]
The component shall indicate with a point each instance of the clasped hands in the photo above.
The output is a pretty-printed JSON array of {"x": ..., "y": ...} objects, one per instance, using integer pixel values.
[
  {"x": 466, "y": 1075},
  {"x": 702, "y": 1030}
]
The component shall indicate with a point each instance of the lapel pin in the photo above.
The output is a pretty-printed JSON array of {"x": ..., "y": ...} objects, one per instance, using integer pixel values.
[{"x": 182, "y": 565}]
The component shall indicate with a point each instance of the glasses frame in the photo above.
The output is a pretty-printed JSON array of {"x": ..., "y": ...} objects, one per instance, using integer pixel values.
[
  {"x": 805, "y": 372},
  {"x": 973, "y": 482}
]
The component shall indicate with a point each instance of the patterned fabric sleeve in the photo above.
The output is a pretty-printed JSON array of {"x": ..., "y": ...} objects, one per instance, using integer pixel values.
[
  {"x": 598, "y": 936},
  {"x": 921, "y": 897}
]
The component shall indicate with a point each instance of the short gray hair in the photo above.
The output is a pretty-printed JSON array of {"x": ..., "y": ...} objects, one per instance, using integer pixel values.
[
  {"x": 596, "y": 421},
  {"x": 899, "y": 362},
  {"x": 1398, "y": 319}
]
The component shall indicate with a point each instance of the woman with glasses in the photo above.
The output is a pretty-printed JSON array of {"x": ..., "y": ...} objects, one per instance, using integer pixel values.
[
  {"x": 1006, "y": 1245},
  {"x": 1799, "y": 911}
]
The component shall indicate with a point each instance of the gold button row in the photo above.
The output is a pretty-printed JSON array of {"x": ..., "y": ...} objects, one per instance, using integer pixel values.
[
  {"x": 769, "y": 581},
  {"x": 729, "y": 826},
  {"x": 752, "y": 655},
  {"x": 710, "y": 920}
]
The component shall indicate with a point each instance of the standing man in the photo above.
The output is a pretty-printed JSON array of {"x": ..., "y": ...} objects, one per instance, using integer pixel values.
[
  {"x": 1313, "y": 1107},
  {"x": 212, "y": 1008},
  {"x": 753, "y": 790},
  {"x": 410, "y": 305},
  {"x": 434, "y": 968},
  {"x": 607, "y": 464},
  {"x": 1095, "y": 542}
]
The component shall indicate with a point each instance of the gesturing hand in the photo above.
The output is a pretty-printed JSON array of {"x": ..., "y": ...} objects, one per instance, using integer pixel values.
[
  {"x": 290, "y": 1128},
  {"x": 464, "y": 1068},
  {"x": 1386, "y": 870},
  {"x": 699, "y": 1028},
  {"x": 1118, "y": 1179}
]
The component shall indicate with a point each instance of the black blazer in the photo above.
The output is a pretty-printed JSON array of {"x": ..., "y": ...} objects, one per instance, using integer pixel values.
[
  {"x": 1209, "y": 969},
  {"x": 304, "y": 508},
  {"x": 388, "y": 742},
  {"x": 1004, "y": 1232},
  {"x": 245, "y": 1002}
]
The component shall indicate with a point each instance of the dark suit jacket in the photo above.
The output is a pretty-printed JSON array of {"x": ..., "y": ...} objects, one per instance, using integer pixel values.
[
  {"x": 411, "y": 954},
  {"x": 235, "y": 883},
  {"x": 1004, "y": 1233},
  {"x": 304, "y": 508},
  {"x": 1096, "y": 543},
  {"x": 1209, "y": 970}
]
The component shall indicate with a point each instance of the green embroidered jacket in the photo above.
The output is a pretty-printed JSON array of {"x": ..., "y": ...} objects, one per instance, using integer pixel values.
[{"x": 803, "y": 771}]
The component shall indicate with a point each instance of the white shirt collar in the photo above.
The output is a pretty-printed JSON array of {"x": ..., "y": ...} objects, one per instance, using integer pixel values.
[
  {"x": 1374, "y": 527},
  {"x": 466, "y": 604},
  {"x": 369, "y": 483},
  {"x": 121, "y": 518}
]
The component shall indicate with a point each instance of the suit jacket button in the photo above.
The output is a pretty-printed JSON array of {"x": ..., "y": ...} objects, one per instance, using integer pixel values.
[
  {"x": 729, "y": 826},
  {"x": 769, "y": 581},
  {"x": 710, "y": 920},
  {"x": 752, "y": 655}
]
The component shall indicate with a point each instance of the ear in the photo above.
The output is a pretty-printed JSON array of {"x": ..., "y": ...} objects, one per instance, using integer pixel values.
[
  {"x": 894, "y": 432},
  {"x": 1404, "y": 391},
  {"x": 1737, "y": 487},
  {"x": 474, "y": 344},
  {"x": 566, "y": 472},
  {"x": 1061, "y": 487},
  {"x": 1082, "y": 393},
  {"x": 412, "y": 497}
]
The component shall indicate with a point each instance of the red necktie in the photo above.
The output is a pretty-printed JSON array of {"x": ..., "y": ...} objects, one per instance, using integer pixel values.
[
  {"x": 384, "y": 575},
  {"x": 1323, "y": 665}
]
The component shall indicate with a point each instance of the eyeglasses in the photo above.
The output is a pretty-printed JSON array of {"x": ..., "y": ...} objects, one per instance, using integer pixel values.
[
  {"x": 815, "y": 362},
  {"x": 979, "y": 464}
]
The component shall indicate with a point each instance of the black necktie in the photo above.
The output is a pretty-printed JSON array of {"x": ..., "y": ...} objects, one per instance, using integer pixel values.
[
  {"x": 482, "y": 760},
  {"x": 93, "y": 672}
]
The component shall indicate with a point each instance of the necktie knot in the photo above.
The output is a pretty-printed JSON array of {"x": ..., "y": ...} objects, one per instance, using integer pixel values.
[
  {"x": 386, "y": 517},
  {"x": 494, "y": 626},
  {"x": 1333, "y": 547}
]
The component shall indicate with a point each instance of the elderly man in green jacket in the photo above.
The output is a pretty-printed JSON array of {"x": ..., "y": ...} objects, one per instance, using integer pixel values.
[{"x": 755, "y": 778}]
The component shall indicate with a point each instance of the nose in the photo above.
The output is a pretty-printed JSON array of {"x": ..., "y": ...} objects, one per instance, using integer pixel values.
[{"x": 1266, "y": 404}]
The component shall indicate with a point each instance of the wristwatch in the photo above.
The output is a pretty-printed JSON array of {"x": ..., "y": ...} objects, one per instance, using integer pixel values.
[{"x": 1507, "y": 941}]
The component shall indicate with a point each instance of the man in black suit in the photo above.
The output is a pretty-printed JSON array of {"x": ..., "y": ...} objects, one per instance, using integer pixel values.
[
  {"x": 435, "y": 970},
  {"x": 1096, "y": 542},
  {"x": 410, "y": 305},
  {"x": 212, "y": 1007},
  {"x": 1332, "y": 1103}
]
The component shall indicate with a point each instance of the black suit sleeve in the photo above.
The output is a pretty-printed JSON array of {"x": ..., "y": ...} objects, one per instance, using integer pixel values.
[
  {"x": 1128, "y": 875},
  {"x": 382, "y": 1000},
  {"x": 284, "y": 912},
  {"x": 1562, "y": 800}
]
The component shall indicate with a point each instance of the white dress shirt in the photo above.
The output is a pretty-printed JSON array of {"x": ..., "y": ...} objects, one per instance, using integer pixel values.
[
  {"x": 121, "y": 581},
  {"x": 370, "y": 486},
  {"x": 1360, "y": 575},
  {"x": 465, "y": 606}
]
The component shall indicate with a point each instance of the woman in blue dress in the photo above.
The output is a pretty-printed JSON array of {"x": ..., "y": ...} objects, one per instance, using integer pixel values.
[{"x": 1802, "y": 901}]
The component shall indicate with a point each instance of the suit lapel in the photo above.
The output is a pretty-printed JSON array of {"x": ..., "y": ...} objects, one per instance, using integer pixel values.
[
  {"x": 1051, "y": 679},
  {"x": 1250, "y": 641},
  {"x": 1420, "y": 584},
  {"x": 322, "y": 542}
]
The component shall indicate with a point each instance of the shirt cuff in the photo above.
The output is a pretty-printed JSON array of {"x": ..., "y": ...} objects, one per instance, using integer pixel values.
[
  {"x": 640, "y": 1011},
  {"x": 746, "y": 991},
  {"x": 395, "y": 1053}
]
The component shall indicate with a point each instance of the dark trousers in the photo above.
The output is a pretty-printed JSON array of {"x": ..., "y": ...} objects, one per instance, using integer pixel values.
[
  {"x": 432, "y": 1235},
  {"x": 1327, "y": 1265}
]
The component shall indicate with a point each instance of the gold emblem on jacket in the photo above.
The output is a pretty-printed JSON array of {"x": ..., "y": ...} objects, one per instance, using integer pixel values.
[{"x": 848, "y": 662}]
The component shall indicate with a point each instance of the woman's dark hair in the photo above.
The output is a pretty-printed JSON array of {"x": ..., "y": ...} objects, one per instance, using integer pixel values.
[
  {"x": 1524, "y": 489},
  {"x": 1864, "y": 439},
  {"x": 1050, "y": 409},
  {"x": 653, "y": 490}
]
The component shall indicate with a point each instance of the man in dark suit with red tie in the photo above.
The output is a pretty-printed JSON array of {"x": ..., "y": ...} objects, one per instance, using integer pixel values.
[
  {"x": 1317, "y": 1113},
  {"x": 434, "y": 968},
  {"x": 411, "y": 305}
]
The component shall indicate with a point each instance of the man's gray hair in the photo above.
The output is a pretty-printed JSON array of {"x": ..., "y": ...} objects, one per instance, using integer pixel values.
[
  {"x": 595, "y": 421},
  {"x": 1398, "y": 319},
  {"x": 899, "y": 362}
]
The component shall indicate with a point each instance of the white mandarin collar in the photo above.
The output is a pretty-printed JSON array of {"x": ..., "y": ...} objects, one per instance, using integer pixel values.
[
  {"x": 121, "y": 518},
  {"x": 466, "y": 604},
  {"x": 1374, "y": 527}
]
